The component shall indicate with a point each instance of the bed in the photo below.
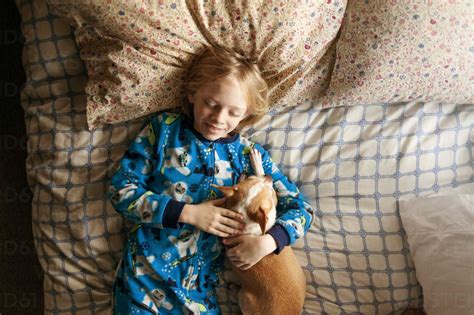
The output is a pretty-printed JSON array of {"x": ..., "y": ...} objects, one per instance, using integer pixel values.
[{"x": 356, "y": 164}]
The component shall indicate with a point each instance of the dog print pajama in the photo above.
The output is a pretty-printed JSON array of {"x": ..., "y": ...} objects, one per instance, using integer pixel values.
[{"x": 170, "y": 267}]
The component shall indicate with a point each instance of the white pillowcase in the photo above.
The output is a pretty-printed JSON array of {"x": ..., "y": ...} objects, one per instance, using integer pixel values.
[{"x": 440, "y": 232}]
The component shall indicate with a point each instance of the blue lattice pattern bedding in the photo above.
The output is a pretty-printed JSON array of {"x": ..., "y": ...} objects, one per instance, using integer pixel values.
[{"x": 353, "y": 163}]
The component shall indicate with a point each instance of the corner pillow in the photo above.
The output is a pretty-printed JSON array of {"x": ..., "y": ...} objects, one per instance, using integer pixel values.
[
  {"x": 397, "y": 51},
  {"x": 137, "y": 52},
  {"x": 440, "y": 234}
]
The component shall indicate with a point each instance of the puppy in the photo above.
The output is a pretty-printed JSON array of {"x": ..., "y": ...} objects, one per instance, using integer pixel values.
[{"x": 276, "y": 284}]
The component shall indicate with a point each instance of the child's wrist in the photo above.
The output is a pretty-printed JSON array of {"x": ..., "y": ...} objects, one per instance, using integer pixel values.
[
  {"x": 185, "y": 216},
  {"x": 269, "y": 244}
]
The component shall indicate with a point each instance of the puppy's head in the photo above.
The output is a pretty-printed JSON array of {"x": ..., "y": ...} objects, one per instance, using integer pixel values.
[{"x": 254, "y": 195}]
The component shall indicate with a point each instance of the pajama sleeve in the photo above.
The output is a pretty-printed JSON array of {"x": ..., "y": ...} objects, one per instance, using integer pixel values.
[
  {"x": 294, "y": 213},
  {"x": 129, "y": 191}
]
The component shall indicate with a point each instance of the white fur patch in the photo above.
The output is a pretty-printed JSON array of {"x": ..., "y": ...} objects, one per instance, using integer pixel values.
[{"x": 252, "y": 227}]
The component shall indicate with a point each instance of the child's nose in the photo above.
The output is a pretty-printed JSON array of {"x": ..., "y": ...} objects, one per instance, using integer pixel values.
[{"x": 219, "y": 116}]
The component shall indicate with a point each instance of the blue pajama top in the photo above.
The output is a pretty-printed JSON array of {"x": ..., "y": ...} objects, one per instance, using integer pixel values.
[{"x": 170, "y": 267}]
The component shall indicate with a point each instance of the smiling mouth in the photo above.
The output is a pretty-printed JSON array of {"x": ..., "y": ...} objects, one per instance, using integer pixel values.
[{"x": 213, "y": 128}]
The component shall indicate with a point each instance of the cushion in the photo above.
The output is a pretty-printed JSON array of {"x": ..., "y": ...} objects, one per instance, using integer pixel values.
[
  {"x": 440, "y": 232},
  {"x": 137, "y": 52},
  {"x": 393, "y": 51}
]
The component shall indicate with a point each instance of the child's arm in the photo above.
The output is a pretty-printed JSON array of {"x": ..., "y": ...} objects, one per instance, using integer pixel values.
[
  {"x": 131, "y": 195},
  {"x": 129, "y": 192},
  {"x": 294, "y": 214}
]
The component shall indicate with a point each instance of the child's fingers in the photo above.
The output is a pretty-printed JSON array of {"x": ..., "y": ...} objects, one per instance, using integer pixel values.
[
  {"x": 224, "y": 231},
  {"x": 219, "y": 233},
  {"x": 232, "y": 215},
  {"x": 237, "y": 225},
  {"x": 232, "y": 241}
]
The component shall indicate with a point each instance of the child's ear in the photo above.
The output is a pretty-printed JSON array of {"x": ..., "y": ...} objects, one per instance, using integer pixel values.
[
  {"x": 247, "y": 114},
  {"x": 191, "y": 98}
]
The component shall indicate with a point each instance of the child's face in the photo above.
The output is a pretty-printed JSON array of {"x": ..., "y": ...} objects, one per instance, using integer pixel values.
[{"x": 218, "y": 108}]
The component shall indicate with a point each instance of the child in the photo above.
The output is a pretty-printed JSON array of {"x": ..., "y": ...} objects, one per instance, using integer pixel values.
[{"x": 171, "y": 262}]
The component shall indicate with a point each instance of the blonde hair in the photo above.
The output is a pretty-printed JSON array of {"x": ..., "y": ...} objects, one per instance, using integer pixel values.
[{"x": 218, "y": 62}]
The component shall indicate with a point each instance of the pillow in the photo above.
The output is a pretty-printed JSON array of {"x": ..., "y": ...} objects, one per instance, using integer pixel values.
[
  {"x": 137, "y": 52},
  {"x": 395, "y": 51},
  {"x": 440, "y": 232}
]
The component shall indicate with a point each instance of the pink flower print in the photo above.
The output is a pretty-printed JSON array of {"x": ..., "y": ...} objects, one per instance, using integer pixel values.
[{"x": 432, "y": 21}]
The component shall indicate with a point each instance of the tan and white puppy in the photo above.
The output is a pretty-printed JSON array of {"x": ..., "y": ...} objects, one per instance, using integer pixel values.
[{"x": 276, "y": 284}]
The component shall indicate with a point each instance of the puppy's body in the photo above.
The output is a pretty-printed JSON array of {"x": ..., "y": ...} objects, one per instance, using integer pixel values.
[{"x": 276, "y": 284}]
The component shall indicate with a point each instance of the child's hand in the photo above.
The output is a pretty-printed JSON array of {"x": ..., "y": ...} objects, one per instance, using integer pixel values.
[
  {"x": 244, "y": 251},
  {"x": 211, "y": 218}
]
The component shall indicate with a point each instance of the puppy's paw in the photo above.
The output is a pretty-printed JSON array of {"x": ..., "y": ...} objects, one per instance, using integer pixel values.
[{"x": 256, "y": 162}]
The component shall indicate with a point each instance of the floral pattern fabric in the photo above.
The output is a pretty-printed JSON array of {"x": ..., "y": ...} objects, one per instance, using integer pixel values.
[
  {"x": 137, "y": 52},
  {"x": 398, "y": 51}
]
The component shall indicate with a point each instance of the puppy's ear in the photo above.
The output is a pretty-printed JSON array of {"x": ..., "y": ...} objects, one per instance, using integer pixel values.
[
  {"x": 259, "y": 216},
  {"x": 262, "y": 219},
  {"x": 226, "y": 190}
]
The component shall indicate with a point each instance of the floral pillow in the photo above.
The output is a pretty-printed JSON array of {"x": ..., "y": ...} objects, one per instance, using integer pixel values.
[
  {"x": 137, "y": 52},
  {"x": 395, "y": 51}
]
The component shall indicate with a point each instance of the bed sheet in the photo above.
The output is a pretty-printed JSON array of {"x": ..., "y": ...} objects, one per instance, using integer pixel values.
[{"x": 354, "y": 164}]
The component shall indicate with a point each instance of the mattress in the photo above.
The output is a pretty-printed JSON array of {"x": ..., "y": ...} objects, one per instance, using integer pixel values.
[{"x": 353, "y": 164}]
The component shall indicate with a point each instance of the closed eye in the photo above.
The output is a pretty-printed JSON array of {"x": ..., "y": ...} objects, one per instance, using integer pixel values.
[
  {"x": 235, "y": 114},
  {"x": 209, "y": 103}
]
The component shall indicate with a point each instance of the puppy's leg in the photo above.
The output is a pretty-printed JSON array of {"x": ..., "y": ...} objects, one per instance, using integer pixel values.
[
  {"x": 256, "y": 162},
  {"x": 248, "y": 303}
]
